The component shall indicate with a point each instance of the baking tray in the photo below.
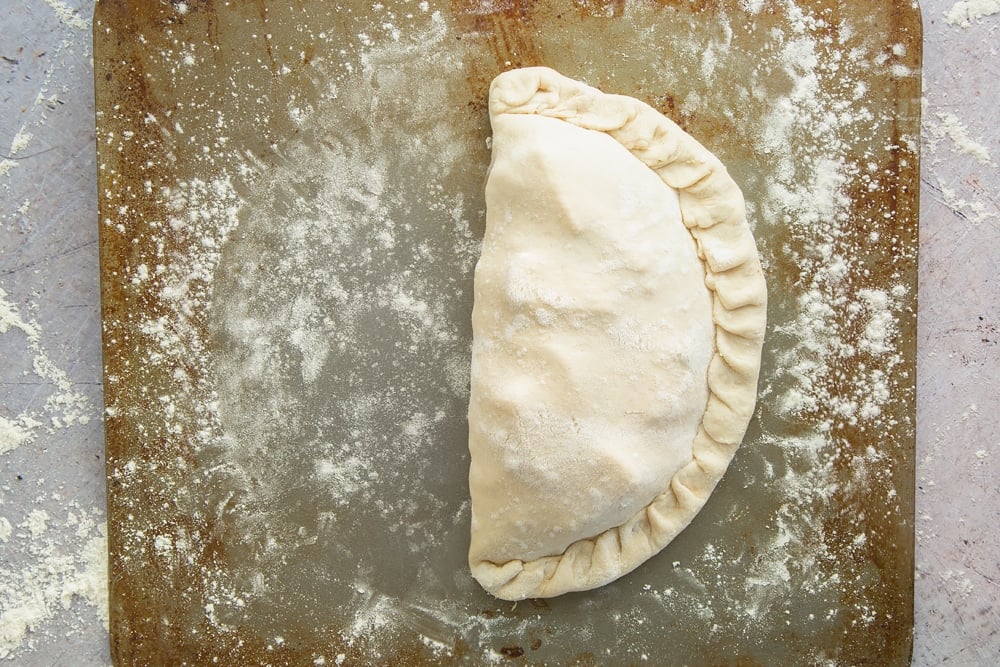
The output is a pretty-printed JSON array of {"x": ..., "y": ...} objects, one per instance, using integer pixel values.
[{"x": 290, "y": 210}]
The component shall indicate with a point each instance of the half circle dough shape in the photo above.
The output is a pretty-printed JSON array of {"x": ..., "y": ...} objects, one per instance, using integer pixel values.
[{"x": 617, "y": 329}]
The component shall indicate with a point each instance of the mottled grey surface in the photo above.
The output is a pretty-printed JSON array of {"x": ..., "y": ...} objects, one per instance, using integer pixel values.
[
  {"x": 52, "y": 474},
  {"x": 51, "y": 456},
  {"x": 958, "y": 435}
]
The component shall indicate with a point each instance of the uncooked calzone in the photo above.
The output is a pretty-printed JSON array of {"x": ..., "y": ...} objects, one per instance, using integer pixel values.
[{"x": 617, "y": 329}]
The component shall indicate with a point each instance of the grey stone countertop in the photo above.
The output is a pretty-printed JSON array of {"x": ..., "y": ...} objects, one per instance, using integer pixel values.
[{"x": 53, "y": 582}]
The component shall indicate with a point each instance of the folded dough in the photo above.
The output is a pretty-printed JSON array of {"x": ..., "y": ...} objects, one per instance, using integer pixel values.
[{"x": 617, "y": 328}]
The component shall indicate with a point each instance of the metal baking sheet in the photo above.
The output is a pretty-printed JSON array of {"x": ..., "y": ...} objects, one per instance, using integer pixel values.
[{"x": 290, "y": 211}]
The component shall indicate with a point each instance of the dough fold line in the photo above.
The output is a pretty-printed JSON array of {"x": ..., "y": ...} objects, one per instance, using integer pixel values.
[{"x": 713, "y": 211}]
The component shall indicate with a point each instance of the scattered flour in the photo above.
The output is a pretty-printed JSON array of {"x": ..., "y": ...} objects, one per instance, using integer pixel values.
[
  {"x": 65, "y": 560},
  {"x": 13, "y": 434},
  {"x": 20, "y": 141},
  {"x": 64, "y": 405},
  {"x": 61, "y": 554},
  {"x": 937, "y": 127},
  {"x": 68, "y": 15},
  {"x": 950, "y": 127},
  {"x": 964, "y": 12}
]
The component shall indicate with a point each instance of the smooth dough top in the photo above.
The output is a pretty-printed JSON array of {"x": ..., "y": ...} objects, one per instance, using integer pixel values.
[{"x": 617, "y": 328}]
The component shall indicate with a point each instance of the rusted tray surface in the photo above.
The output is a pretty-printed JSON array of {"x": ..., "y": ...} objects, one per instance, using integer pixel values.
[{"x": 291, "y": 206}]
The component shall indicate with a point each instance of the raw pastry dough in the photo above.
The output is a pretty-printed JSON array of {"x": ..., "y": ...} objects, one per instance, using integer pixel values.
[{"x": 617, "y": 330}]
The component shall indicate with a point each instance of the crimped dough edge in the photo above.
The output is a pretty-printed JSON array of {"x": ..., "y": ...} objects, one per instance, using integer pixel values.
[{"x": 714, "y": 212}]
